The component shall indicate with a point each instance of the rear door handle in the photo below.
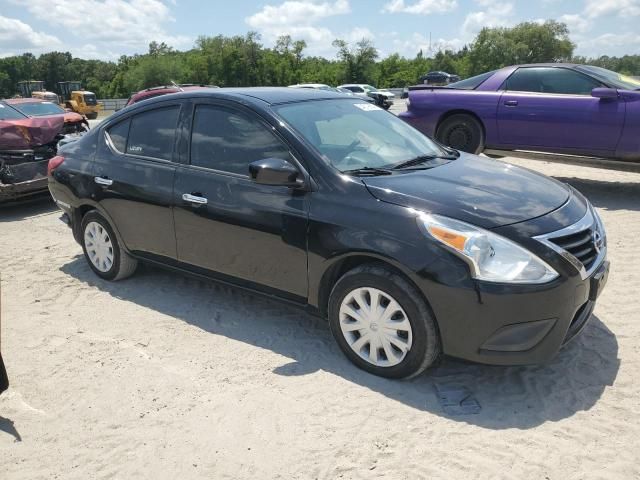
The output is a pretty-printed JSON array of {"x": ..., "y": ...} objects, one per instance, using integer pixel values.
[
  {"x": 107, "y": 182},
  {"x": 511, "y": 103},
  {"x": 188, "y": 197}
]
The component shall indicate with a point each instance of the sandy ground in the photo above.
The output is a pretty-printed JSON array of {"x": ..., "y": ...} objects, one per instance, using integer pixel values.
[{"x": 167, "y": 377}]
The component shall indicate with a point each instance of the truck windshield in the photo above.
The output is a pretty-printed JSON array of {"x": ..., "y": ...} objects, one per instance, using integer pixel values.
[
  {"x": 352, "y": 134},
  {"x": 90, "y": 99}
]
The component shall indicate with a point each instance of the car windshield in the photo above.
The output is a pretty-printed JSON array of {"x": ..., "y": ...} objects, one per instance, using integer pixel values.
[
  {"x": 38, "y": 109},
  {"x": 370, "y": 88},
  {"x": 8, "y": 113},
  {"x": 473, "y": 82},
  {"x": 614, "y": 79},
  {"x": 351, "y": 134}
]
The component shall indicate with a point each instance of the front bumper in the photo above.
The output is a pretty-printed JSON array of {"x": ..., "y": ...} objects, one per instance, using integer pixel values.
[{"x": 505, "y": 325}]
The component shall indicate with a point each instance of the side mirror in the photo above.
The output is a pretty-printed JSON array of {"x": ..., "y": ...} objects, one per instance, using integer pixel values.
[
  {"x": 275, "y": 171},
  {"x": 603, "y": 92}
]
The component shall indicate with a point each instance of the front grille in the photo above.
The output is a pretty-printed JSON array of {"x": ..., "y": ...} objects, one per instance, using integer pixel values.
[{"x": 581, "y": 245}]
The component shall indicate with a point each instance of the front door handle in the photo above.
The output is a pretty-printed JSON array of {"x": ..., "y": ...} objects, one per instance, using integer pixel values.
[
  {"x": 107, "y": 182},
  {"x": 188, "y": 197},
  {"x": 511, "y": 103}
]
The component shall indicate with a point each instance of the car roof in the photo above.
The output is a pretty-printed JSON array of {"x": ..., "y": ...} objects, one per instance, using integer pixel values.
[
  {"x": 268, "y": 95},
  {"x": 549, "y": 64}
]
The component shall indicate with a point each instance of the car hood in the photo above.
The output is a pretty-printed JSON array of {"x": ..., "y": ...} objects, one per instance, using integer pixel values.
[
  {"x": 29, "y": 133},
  {"x": 477, "y": 190}
]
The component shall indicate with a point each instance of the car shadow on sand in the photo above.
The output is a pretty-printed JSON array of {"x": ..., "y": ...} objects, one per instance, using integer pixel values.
[
  {"x": 510, "y": 397},
  {"x": 606, "y": 194},
  {"x": 16, "y": 211}
]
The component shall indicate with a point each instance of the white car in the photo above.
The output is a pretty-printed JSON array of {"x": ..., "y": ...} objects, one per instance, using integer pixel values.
[
  {"x": 322, "y": 86},
  {"x": 383, "y": 98},
  {"x": 317, "y": 86}
]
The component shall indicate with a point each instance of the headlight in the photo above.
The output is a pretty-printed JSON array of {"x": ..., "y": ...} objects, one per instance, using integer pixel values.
[{"x": 492, "y": 258}]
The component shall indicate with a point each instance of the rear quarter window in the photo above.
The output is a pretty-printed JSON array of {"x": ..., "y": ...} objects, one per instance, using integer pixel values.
[{"x": 118, "y": 135}]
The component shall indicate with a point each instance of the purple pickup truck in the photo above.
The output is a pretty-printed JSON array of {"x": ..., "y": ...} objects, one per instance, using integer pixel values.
[{"x": 553, "y": 108}]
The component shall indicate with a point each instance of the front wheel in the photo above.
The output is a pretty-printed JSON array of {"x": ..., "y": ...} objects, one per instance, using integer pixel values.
[
  {"x": 102, "y": 251},
  {"x": 382, "y": 324},
  {"x": 462, "y": 132}
]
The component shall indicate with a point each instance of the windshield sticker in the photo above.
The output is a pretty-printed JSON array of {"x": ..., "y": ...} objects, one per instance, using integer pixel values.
[
  {"x": 47, "y": 103},
  {"x": 368, "y": 107}
]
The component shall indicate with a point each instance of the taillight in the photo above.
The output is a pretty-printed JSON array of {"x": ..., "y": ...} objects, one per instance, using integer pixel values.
[{"x": 54, "y": 163}]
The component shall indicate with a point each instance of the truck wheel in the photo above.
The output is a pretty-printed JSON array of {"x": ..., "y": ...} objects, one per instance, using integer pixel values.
[
  {"x": 462, "y": 132},
  {"x": 382, "y": 323},
  {"x": 92, "y": 116},
  {"x": 102, "y": 251}
]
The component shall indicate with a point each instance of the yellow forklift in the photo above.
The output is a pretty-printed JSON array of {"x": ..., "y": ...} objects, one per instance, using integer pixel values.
[
  {"x": 35, "y": 89},
  {"x": 81, "y": 101}
]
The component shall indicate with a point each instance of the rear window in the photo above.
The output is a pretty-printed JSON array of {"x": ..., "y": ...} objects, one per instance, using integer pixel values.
[
  {"x": 473, "y": 82},
  {"x": 152, "y": 133}
]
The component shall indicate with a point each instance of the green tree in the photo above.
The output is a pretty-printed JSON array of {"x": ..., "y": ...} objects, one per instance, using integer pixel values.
[{"x": 527, "y": 42}]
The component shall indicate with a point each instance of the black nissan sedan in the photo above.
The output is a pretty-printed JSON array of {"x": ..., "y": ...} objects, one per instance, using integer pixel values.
[{"x": 409, "y": 248}]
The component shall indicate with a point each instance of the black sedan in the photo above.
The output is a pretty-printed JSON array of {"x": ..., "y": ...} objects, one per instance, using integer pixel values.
[{"x": 410, "y": 249}]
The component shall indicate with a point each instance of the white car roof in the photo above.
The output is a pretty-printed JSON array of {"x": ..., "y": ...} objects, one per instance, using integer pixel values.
[{"x": 309, "y": 85}]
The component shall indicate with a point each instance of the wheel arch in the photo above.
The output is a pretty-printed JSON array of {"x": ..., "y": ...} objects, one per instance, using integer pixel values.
[
  {"x": 79, "y": 213},
  {"x": 461, "y": 111},
  {"x": 342, "y": 264}
]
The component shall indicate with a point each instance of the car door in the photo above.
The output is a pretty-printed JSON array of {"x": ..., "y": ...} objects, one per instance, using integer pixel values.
[
  {"x": 552, "y": 108},
  {"x": 229, "y": 224},
  {"x": 134, "y": 174}
]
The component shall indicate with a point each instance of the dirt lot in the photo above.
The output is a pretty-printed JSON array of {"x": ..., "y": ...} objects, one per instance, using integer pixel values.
[{"x": 163, "y": 376}]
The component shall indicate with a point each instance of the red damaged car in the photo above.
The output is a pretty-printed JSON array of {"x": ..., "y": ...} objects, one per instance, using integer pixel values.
[
  {"x": 30, "y": 130},
  {"x": 164, "y": 90}
]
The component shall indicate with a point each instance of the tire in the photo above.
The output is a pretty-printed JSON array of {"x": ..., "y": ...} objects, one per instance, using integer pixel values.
[
  {"x": 422, "y": 340},
  {"x": 462, "y": 132},
  {"x": 105, "y": 257},
  {"x": 92, "y": 116},
  {"x": 386, "y": 106}
]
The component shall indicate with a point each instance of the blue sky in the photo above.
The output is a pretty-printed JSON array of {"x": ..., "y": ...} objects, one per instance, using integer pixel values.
[{"x": 106, "y": 29}]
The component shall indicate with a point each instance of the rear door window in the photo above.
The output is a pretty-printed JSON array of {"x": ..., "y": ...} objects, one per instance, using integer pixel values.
[
  {"x": 152, "y": 133},
  {"x": 227, "y": 140}
]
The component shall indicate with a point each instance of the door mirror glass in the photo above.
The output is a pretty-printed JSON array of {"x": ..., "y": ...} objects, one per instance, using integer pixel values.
[
  {"x": 275, "y": 171},
  {"x": 602, "y": 92}
]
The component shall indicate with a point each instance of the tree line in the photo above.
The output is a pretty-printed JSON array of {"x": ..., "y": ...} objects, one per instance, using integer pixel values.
[{"x": 245, "y": 61}]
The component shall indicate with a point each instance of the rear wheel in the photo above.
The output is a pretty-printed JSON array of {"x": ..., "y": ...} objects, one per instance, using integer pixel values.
[
  {"x": 382, "y": 324},
  {"x": 92, "y": 116},
  {"x": 102, "y": 251},
  {"x": 462, "y": 132}
]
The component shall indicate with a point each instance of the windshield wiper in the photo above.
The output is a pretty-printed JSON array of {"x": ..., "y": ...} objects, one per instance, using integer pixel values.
[
  {"x": 422, "y": 159},
  {"x": 368, "y": 171}
]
